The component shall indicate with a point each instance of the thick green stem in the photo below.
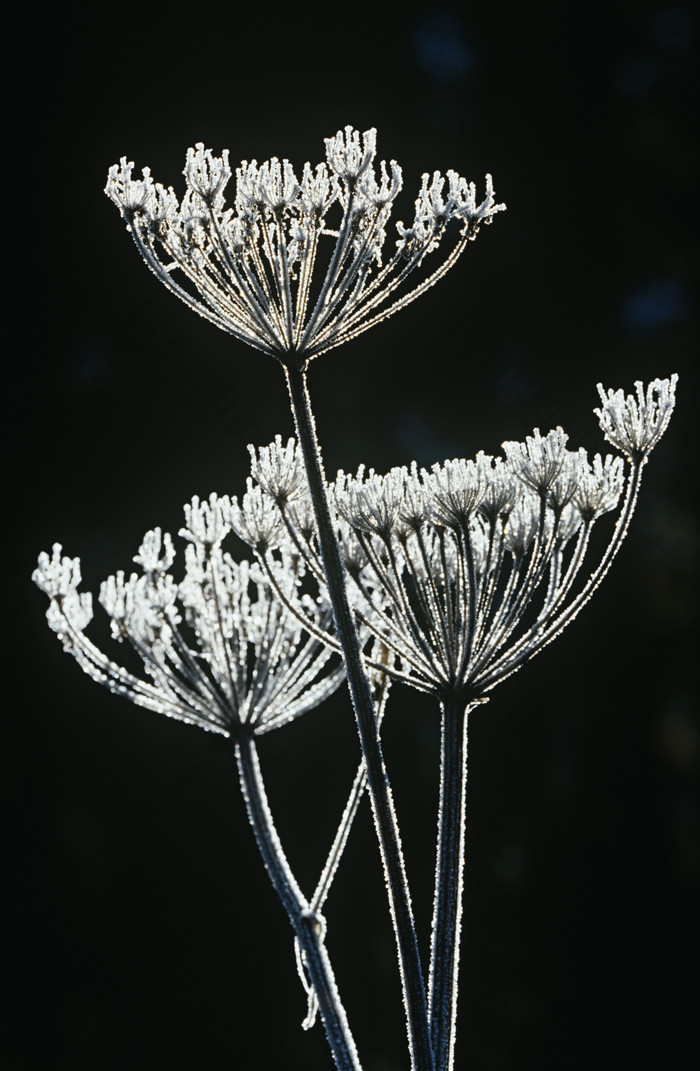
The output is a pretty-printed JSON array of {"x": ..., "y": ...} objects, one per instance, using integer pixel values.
[
  {"x": 449, "y": 871},
  {"x": 360, "y": 692},
  {"x": 307, "y": 924}
]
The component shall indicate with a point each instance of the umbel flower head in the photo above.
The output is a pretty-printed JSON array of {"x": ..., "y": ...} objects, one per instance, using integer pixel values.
[
  {"x": 251, "y": 667},
  {"x": 466, "y": 571},
  {"x": 249, "y": 268}
]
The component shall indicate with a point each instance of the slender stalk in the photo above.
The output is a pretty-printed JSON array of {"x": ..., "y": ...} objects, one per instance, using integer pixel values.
[
  {"x": 360, "y": 692},
  {"x": 340, "y": 840},
  {"x": 306, "y": 923},
  {"x": 449, "y": 871}
]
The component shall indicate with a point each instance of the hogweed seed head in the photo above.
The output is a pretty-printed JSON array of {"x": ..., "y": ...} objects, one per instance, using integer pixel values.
[
  {"x": 540, "y": 459},
  {"x": 207, "y": 523},
  {"x": 242, "y": 663},
  {"x": 279, "y": 470},
  {"x": 256, "y": 519},
  {"x": 634, "y": 423},
  {"x": 347, "y": 157},
  {"x": 59, "y": 577},
  {"x": 599, "y": 487},
  {"x": 370, "y": 503},
  {"x": 466, "y": 572},
  {"x": 206, "y": 174},
  {"x": 457, "y": 489},
  {"x": 249, "y": 269},
  {"x": 149, "y": 553}
]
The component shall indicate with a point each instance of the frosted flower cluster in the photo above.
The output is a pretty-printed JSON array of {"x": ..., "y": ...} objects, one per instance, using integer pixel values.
[
  {"x": 219, "y": 648},
  {"x": 634, "y": 424},
  {"x": 461, "y": 573},
  {"x": 249, "y": 268},
  {"x": 467, "y": 570}
]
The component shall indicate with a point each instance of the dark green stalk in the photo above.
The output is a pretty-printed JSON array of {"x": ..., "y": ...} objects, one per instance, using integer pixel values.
[
  {"x": 306, "y": 923},
  {"x": 360, "y": 692}
]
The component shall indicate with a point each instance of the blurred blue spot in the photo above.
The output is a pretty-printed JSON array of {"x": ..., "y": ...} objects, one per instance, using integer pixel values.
[
  {"x": 658, "y": 304},
  {"x": 636, "y": 76},
  {"x": 671, "y": 28},
  {"x": 442, "y": 50}
]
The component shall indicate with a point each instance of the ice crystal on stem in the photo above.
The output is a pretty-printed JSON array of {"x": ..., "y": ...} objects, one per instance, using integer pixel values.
[
  {"x": 249, "y": 268},
  {"x": 252, "y": 665}
]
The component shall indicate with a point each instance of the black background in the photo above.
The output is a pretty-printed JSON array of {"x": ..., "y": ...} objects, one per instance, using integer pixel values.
[{"x": 140, "y": 926}]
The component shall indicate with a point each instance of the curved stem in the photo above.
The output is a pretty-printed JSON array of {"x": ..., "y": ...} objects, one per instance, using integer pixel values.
[
  {"x": 306, "y": 922},
  {"x": 449, "y": 872},
  {"x": 360, "y": 692}
]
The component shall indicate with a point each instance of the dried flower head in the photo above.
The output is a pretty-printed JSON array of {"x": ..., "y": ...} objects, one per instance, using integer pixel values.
[
  {"x": 219, "y": 649},
  {"x": 249, "y": 269},
  {"x": 466, "y": 572},
  {"x": 634, "y": 423}
]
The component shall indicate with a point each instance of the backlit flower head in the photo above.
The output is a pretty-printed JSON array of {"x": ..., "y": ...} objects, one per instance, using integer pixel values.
[
  {"x": 634, "y": 423},
  {"x": 218, "y": 648},
  {"x": 467, "y": 571},
  {"x": 249, "y": 269},
  {"x": 540, "y": 459},
  {"x": 279, "y": 469}
]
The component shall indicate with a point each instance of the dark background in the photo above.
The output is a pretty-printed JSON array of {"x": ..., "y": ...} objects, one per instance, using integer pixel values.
[{"x": 141, "y": 930}]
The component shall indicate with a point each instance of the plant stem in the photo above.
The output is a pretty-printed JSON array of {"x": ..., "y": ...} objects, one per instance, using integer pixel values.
[
  {"x": 449, "y": 872},
  {"x": 340, "y": 840},
  {"x": 361, "y": 695},
  {"x": 306, "y": 923}
]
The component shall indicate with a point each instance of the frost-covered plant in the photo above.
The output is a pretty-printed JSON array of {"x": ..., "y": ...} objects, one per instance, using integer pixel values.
[
  {"x": 465, "y": 573},
  {"x": 249, "y": 268},
  {"x": 446, "y": 580},
  {"x": 220, "y": 651}
]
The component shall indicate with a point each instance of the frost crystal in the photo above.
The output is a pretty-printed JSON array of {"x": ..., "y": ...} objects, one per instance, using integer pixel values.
[{"x": 249, "y": 269}]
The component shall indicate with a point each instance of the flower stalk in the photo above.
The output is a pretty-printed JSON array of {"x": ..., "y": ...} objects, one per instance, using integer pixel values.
[
  {"x": 378, "y": 786},
  {"x": 449, "y": 880},
  {"x": 307, "y": 922}
]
